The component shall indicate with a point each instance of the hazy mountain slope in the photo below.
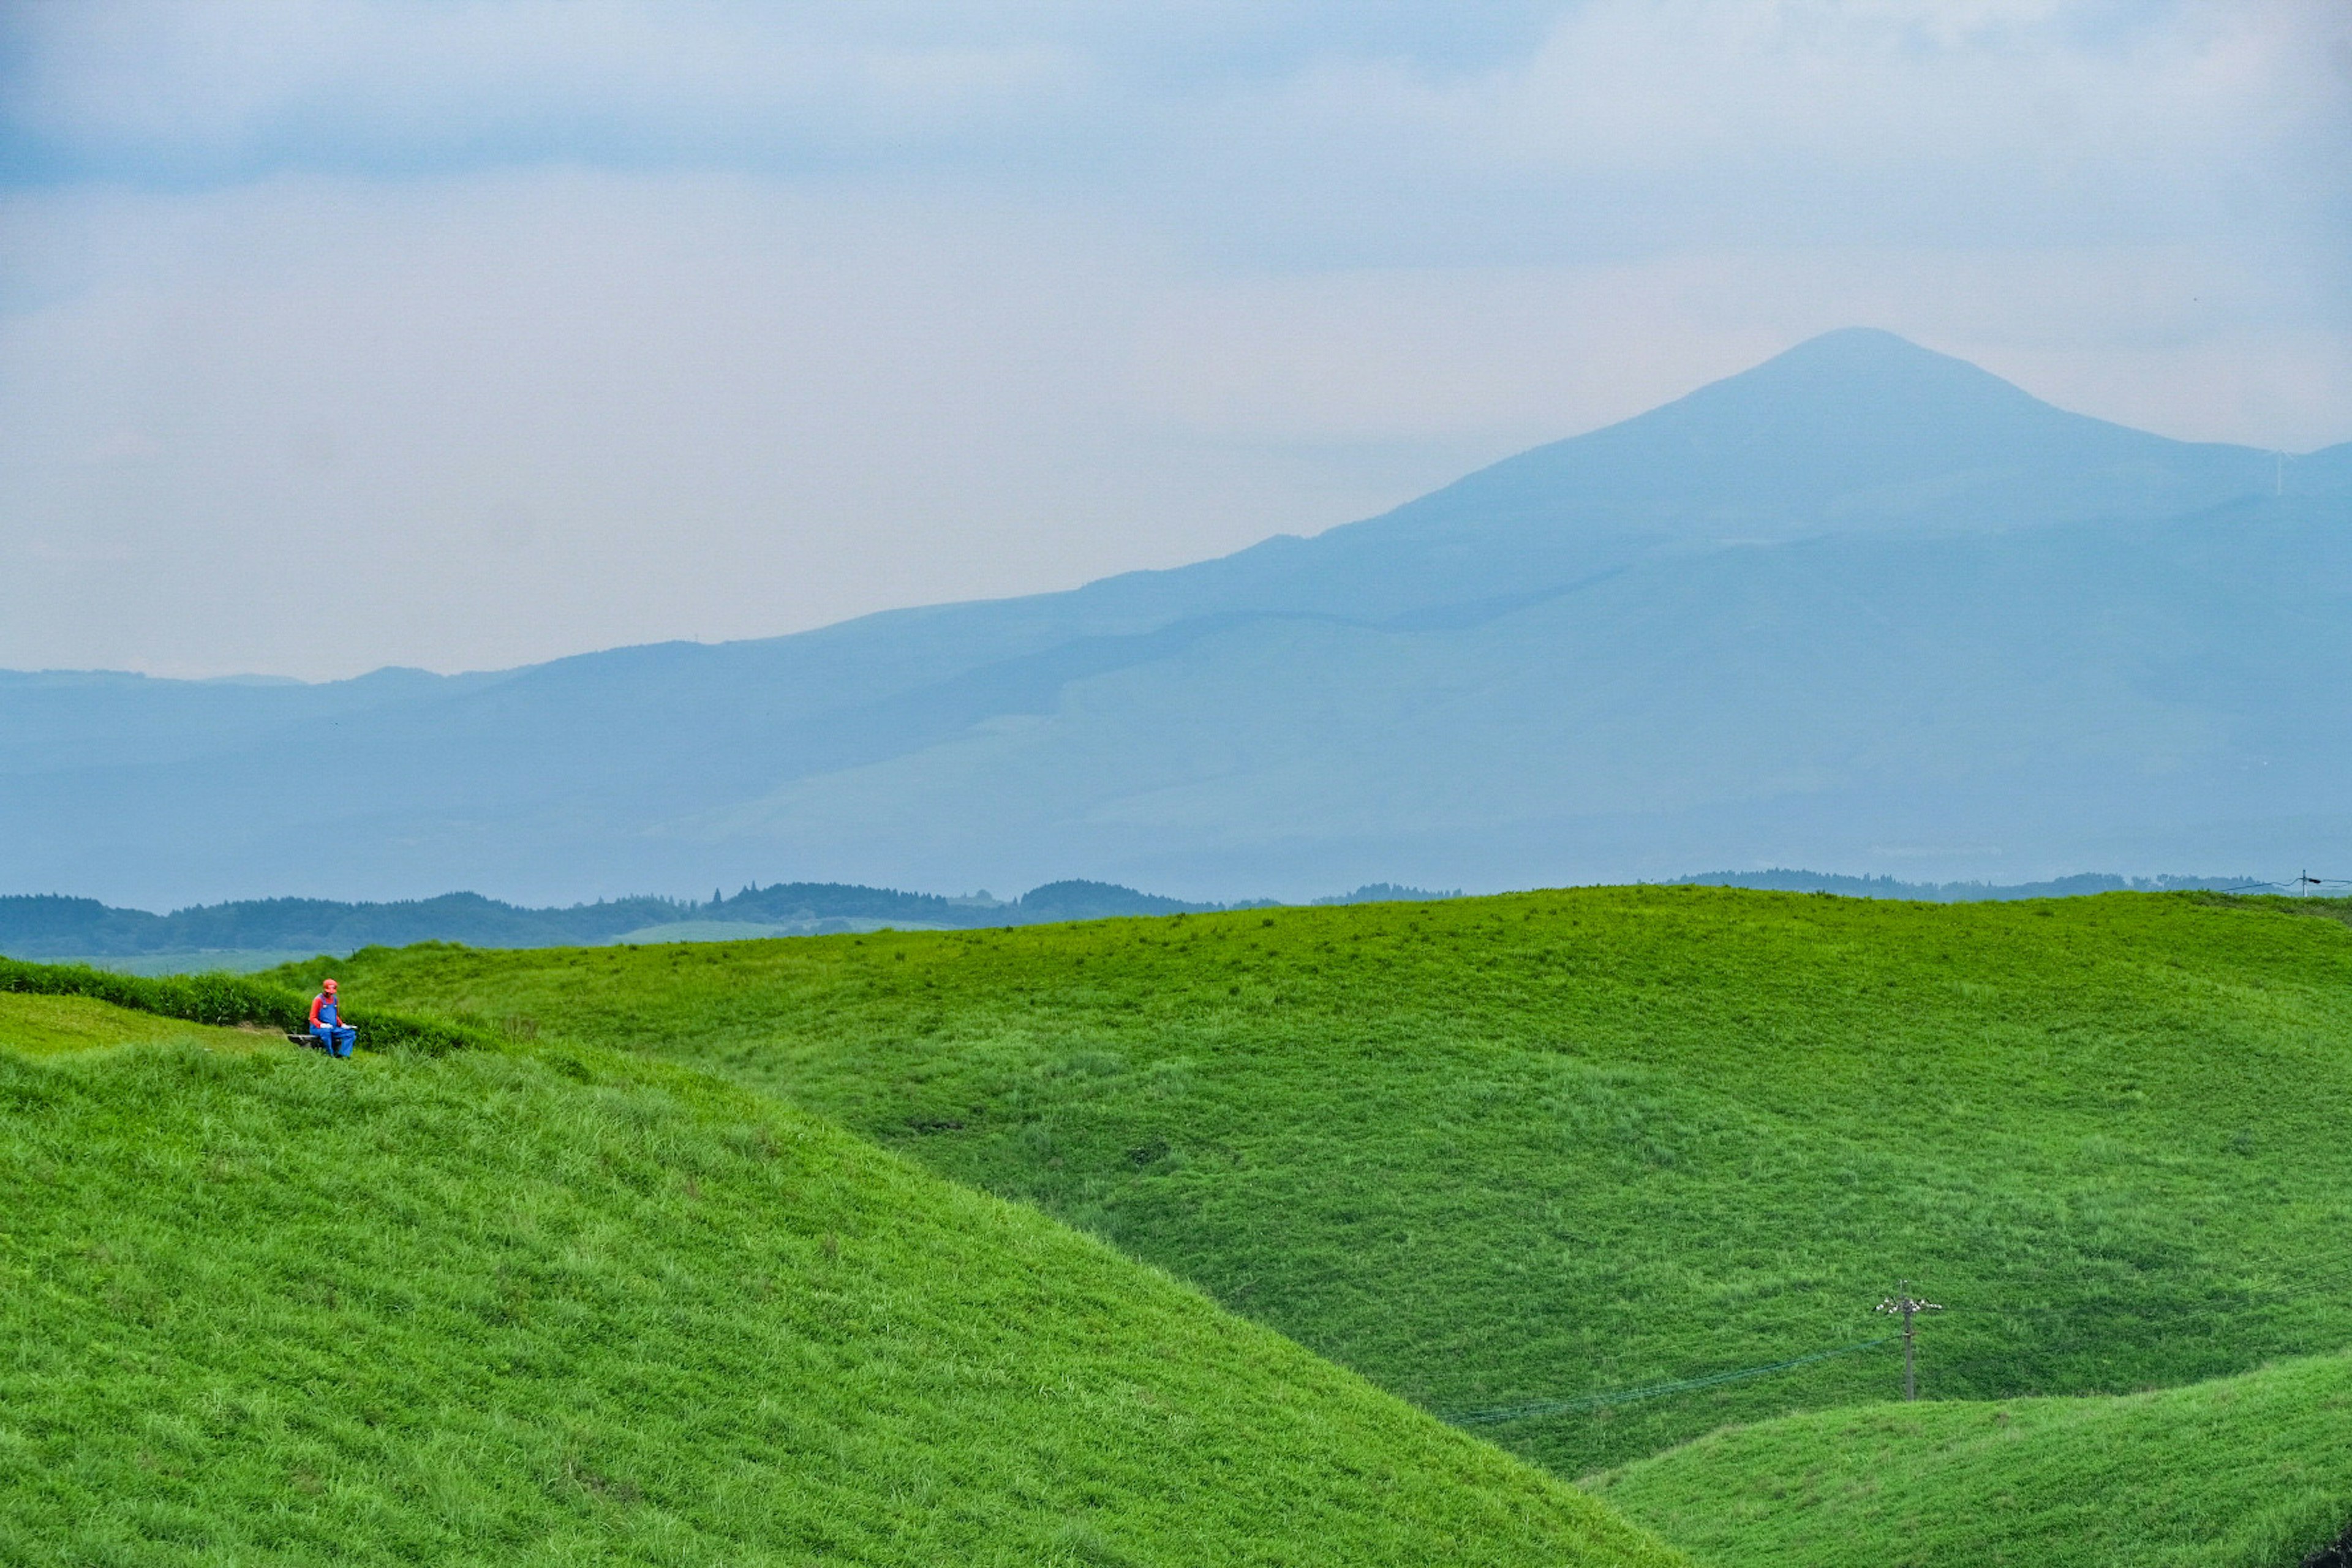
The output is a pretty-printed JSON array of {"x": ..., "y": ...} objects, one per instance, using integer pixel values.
[
  {"x": 57, "y": 720},
  {"x": 1522, "y": 623},
  {"x": 1818, "y": 701}
]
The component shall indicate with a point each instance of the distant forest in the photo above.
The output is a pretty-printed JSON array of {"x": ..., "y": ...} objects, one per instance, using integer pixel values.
[
  {"x": 1780, "y": 880},
  {"x": 48, "y": 926},
  {"x": 56, "y": 926}
]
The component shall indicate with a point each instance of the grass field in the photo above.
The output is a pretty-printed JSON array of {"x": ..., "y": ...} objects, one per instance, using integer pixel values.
[
  {"x": 2245, "y": 1472},
  {"x": 557, "y": 1305},
  {"x": 1501, "y": 1150}
]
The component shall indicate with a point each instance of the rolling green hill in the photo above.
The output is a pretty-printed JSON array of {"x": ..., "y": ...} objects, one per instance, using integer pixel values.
[
  {"x": 1500, "y": 1151},
  {"x": 2244, "y": 1472},
  {"x": 549, "y": 1305}
]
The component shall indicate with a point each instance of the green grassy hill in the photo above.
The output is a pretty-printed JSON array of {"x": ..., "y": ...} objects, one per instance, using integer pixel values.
[
  {"x": 2245, "y": 1472},
  {"x": 549, "y": 1306},
  {"x": 1504, "y": 1150}
]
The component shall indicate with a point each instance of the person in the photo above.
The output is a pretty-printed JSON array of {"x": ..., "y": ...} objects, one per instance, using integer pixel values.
[{"x": 327, "y": 1025}]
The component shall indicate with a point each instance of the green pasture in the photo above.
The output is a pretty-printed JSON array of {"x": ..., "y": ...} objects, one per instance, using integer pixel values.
[
  {"x": 521, "y": 1289},
  {"x": 2246, "y": 1472},
  {"x": 554, "y": 1306},
  {"x": 1499, "y": 1150}
]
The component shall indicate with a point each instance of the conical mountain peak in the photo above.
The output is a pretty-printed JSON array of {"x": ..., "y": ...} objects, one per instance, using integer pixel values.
[
  {"x": 1855, "y": 431},
  {"x": 1854, "y": 428},
  {"x": 1861, "y": 377}
]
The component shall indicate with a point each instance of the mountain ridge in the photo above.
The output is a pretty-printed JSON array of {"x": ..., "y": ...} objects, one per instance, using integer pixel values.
[
  {"x": 1853, "y": 537},
  {"x": 53, "y": 926}
]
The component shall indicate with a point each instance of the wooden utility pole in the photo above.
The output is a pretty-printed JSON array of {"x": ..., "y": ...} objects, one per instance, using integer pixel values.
[{"x": 1909, "y": 1307}]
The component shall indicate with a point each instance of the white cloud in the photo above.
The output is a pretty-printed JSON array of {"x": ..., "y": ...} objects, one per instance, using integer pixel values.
[
  {"x": 1641, "y": 126},
  {"x": 535, "y": 327},
  {"x": 357, "y": 79}
]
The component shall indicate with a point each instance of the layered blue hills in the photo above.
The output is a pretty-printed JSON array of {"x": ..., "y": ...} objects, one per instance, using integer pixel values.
[{"x": 1864, "y": 607}]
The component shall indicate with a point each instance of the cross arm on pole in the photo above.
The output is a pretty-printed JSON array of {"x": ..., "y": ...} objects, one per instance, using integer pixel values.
[{"x": 1909, "y": 1307}]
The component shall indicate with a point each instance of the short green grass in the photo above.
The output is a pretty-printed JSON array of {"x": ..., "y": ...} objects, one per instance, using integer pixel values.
[
  {"x": 49, "y": 1026},
  {"x": 1496, "y": 1150},
  {"x": 556, "y": 1306},
  {"x": 2247, "y": 1472}
]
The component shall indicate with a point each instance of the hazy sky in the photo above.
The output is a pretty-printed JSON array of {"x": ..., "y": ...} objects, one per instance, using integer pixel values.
[{"x": 341, "y": 334}]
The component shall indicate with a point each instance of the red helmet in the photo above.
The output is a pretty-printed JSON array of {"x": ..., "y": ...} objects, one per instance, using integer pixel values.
[{"x": 329, "y": 986}]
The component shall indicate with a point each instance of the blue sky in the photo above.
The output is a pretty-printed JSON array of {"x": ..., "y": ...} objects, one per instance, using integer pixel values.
[{"x": 539, "y": 327}]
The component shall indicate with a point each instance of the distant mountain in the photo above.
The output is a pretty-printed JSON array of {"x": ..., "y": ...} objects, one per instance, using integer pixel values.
[
  {"x": 2083, "y": 885},
  {"x": 48, "y": 926},
  {"x": 1863, "y": 605}
]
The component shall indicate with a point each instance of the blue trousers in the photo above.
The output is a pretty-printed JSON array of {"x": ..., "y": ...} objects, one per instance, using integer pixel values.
[{"x": 336, "y": 1038}]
